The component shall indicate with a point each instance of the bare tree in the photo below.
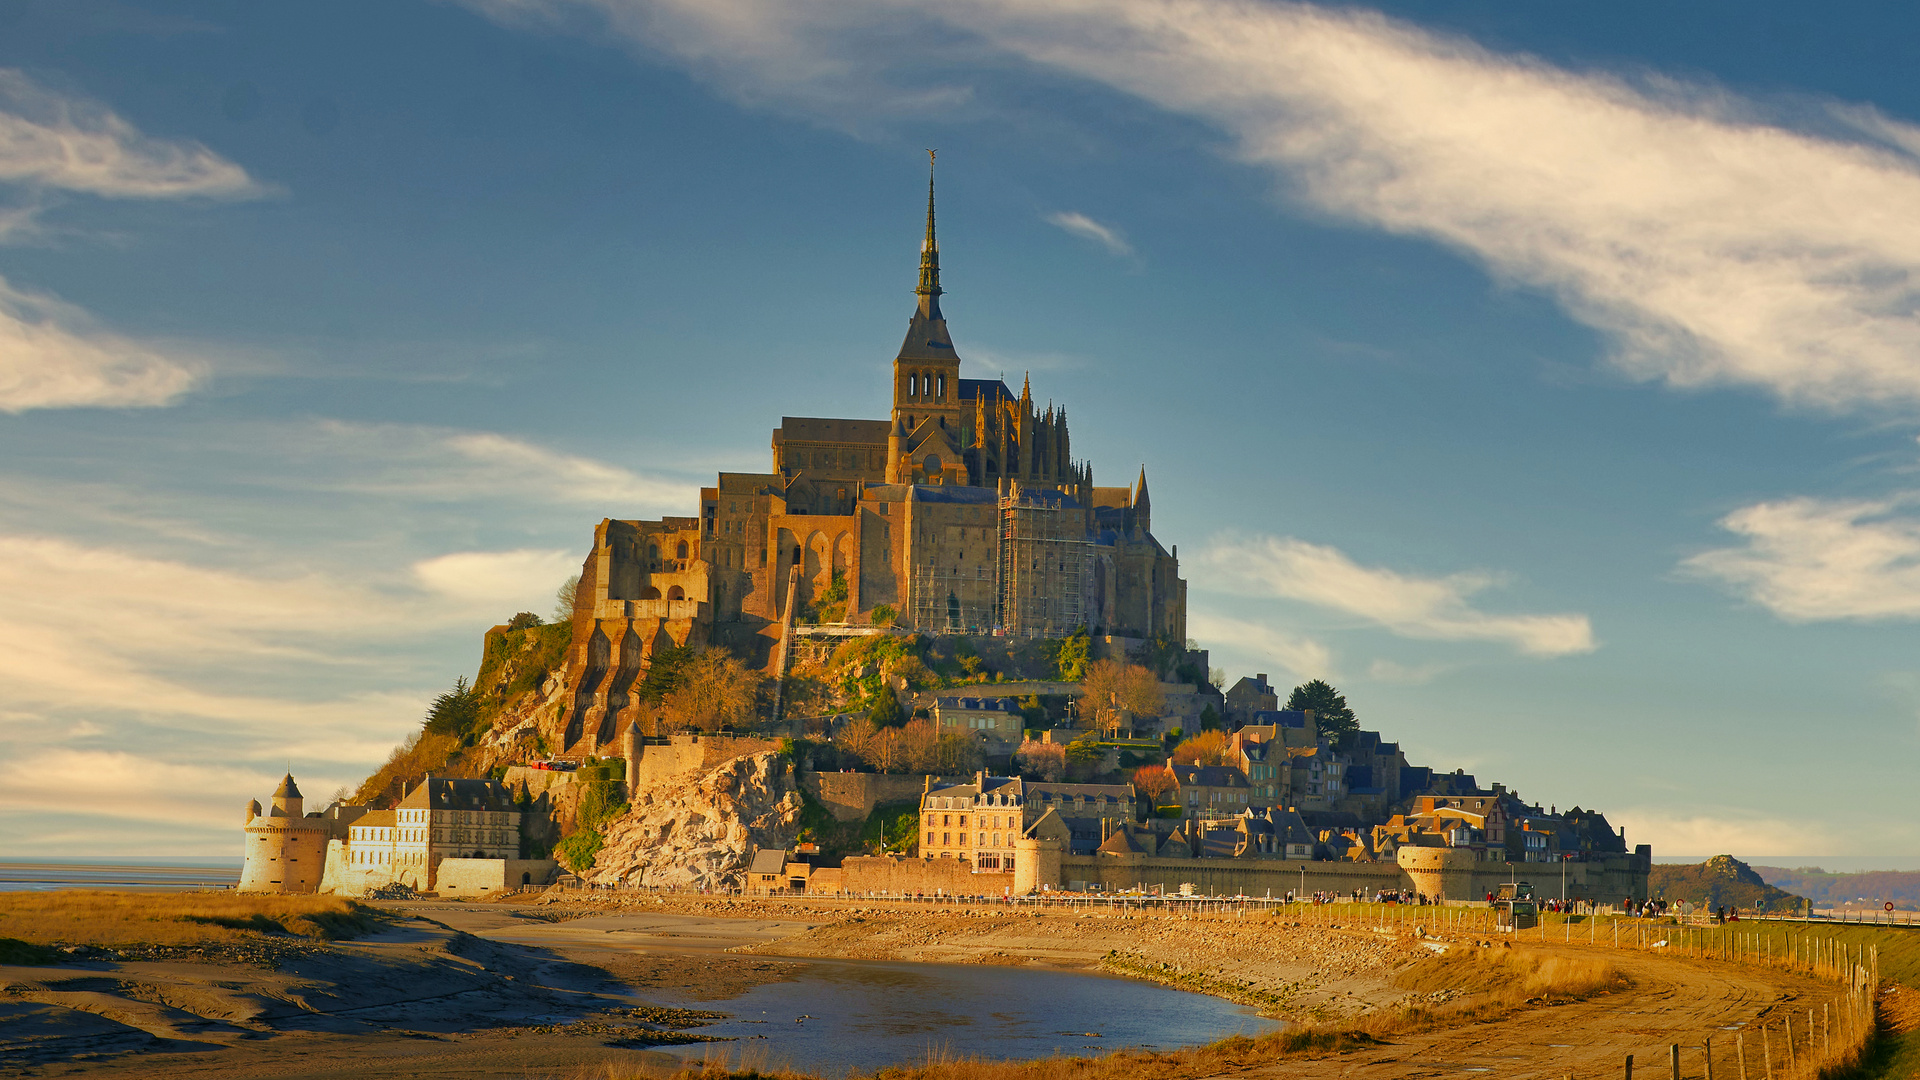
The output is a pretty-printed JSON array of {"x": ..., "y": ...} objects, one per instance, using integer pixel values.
[
  {"x": 1153, "y": 781},
  {"x": 1115, "y": 691},
  {"x": 563, "y": 600},
  {"x": 1048, "y": 760},
  {"x": 716, "y": 691},
  {"x": 1206, "y": 748}
]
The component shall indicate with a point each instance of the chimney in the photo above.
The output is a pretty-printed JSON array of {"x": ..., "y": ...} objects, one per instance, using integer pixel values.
[{"x": 928, "y": 790}]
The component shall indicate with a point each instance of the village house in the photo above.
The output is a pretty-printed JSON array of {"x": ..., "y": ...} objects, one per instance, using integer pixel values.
[
  {"x": 995, "y": 722},
  {"x": 981, "y": 821}
]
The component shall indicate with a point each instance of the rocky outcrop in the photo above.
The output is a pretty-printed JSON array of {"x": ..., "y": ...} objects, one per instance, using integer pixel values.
[{"x": 701, "y": 834}]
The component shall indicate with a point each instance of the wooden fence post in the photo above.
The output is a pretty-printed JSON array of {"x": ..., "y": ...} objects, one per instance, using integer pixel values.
[
  {"x": 1740, "y": 1048},
  {"x": 1766, "y": 1047},
  {"x": 1706, "y": 1048},
  {"x": 1673, "y": 1056},
  {"x": 1790, "y": 1061},
  {"x": 1629, "y": 1067}
]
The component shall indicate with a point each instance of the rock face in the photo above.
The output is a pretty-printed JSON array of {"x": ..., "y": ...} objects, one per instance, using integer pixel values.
[
  {"x": 701, "y": 834},
  {"x": 1720, "y": 881}
]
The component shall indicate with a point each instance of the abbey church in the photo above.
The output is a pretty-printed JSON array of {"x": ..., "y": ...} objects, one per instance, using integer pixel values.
[{"x": 964, "y": 512}]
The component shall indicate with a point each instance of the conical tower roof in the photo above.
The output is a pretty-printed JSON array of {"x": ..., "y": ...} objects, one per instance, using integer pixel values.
[
  {"x": 927, "y": 337},
  {"x": 287, "y": 789}
]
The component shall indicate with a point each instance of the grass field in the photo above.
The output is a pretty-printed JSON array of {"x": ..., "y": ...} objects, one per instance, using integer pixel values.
[{"x": 32, "y": 921}]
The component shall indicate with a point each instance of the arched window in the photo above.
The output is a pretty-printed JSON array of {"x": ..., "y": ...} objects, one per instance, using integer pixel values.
[
  {"x": 653, "y": 551},
  {"x": 681, "y": 551},
  {"x": 941, "y": 394},
  {"x": 649, "y": 593},
  {"x": 913, "y": 385},
  {"x": 676, "y": 593}
]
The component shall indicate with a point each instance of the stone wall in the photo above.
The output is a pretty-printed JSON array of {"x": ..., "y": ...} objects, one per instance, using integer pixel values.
[
  {"x": 862, "y": 874},
  {"x": 852, "y": 797},
  {"x": 538, "y": 781},
  {"x": 652, "y": 765},
  {"x": 478, "y": 877},
  {"x": 284, "y": 855},
  {"x": 1228, "y": 877}
]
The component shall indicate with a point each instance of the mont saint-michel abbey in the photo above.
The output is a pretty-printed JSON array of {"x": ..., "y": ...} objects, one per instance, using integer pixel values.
[{"x": 963, "y": 512}]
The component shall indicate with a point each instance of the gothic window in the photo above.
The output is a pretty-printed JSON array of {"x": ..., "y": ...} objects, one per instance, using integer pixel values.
[
  {"x": 681, "y": 551},
  {"x": 913, "y": 386},
  {"x": 653, "y": 551},
  {"x": 941, "y": 395}
]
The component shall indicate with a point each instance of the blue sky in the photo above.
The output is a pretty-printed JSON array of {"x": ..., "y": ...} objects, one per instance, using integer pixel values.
[{"x": 1547, "y": 378}]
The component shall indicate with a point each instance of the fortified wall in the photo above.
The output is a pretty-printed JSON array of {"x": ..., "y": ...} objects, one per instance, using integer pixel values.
[{"x": 909, "y": 874}]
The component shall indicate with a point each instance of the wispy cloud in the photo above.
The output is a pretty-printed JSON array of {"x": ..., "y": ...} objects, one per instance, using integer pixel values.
[
  {"x": 1812, "y": 560},
  {"x": 428, "y": 462},
  {"x": 1743, "y": 836},
  {"x": 62, "y": 143},
  {"x": 500, "y": 579},
  {"x": 1713, "y": 242},
  {"x": 53, "y": 357},
  {"x": 1388, "y": 671},
  {"x": 1301, "y": 657},
  {"x": 1434, "y": 608},
  {"x": 1084, "y": 227}
]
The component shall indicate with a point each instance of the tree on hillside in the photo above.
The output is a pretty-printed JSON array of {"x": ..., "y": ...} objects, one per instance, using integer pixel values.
[
  {"x": 1330, "y": 711},
  {"x": 1206, "y": 748},
  {"x": 1114, "y": 689},
  {"x": 1070, "y": 662},
  {"x": 886, "y": 711},
  {"x": 1046, "y": 760},
  {"x": 666, "y": 670},
  {"x": 523, "y": 620},
  {"x": 455, "y": 713},
  {"x": 716, "y": 691},
  {"x": 1154, "y": 781},
  {"x": 564, "y": 599}
]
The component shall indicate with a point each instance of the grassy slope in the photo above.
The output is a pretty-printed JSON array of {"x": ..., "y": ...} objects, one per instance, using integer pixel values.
[{"x": 84, "y": 917}]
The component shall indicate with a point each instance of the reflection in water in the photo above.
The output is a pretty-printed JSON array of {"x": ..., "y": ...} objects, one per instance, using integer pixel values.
[{"x": 867, "y": 1016}]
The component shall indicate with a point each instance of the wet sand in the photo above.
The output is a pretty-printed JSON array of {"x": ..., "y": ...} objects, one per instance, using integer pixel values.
[{"x": 493, "y": 990}]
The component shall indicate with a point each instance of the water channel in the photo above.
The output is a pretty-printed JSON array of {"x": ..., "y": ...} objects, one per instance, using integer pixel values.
[{"x": 842, "y": 1016}]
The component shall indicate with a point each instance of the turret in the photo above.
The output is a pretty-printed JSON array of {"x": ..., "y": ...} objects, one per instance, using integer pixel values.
[
  {"x": 253, "y": 809},
  {"x": 287, "y": 801},
  {"x": 1142, "y": 508}
]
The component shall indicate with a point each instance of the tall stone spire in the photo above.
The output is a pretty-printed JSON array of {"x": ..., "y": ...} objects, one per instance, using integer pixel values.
[{"x": 929, "y": 288}]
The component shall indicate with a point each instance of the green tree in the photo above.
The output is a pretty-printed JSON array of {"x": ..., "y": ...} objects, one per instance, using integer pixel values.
[
  {"x": 455, "y": 713},
  {"x": 883, "y": 614},
  {"x": 1070, "y": 664},
  {"x": 1330, "y": 711},
  {"x": 523, "y": 620},
  {"x": 886, "y": 711}
]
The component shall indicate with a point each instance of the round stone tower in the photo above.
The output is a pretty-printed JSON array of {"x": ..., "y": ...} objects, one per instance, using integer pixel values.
[{"x": 286, "y": 851}]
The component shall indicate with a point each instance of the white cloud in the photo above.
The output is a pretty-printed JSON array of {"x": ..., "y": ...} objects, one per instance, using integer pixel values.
[
  {"x": 1744, "y": 836},
  {"x": 1811, "y": 560},
  {"x": 1086, "y": 228},
  {"x": 521, "y": 580},
  {"x": 1301, "y": 657},
  {"x": 568, "y": 477},
  {"x": 1411, "y": 606},
  {"x": 1715, "y": 245},
  {"x": 55, "y": 142},
  {"x": 51, "y": 357}
]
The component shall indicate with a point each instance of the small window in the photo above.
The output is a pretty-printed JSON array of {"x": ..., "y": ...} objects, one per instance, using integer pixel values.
[
  {"x": 942, "y": 394},
  {"x": 681, "y": 551}
]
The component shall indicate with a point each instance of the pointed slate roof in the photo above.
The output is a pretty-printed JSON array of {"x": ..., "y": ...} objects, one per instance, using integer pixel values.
[
  {"x": 287, "y": 789},
  {"x": 927, "y": 337}
]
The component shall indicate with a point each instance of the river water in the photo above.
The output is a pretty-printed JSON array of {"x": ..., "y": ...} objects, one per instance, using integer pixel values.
[{"x": 866, "y": 1015}]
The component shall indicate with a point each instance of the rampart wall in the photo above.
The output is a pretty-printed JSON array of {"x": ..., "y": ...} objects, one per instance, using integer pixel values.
[
  {"x": 906, "y": 874},
  {"x": 852, "y": 796}
]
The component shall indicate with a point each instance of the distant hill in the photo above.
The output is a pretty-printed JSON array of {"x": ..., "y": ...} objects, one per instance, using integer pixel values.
[
  {"x": 1870, "y": 889},
  {"x": 1720, "y": 881}
]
